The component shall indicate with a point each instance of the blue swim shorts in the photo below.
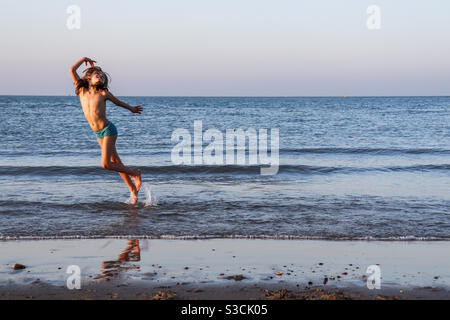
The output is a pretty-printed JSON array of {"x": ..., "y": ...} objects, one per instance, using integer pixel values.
[{"x": 109, "y": 130}]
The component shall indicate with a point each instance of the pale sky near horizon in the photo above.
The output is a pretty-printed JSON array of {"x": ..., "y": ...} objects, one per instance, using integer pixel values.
[{"x": 229, "y": 48}]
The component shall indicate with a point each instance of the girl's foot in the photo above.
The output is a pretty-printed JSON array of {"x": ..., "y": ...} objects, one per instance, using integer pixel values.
[
  {"x": 137, "y": 181},
  {"x": 134, "y": 197}
]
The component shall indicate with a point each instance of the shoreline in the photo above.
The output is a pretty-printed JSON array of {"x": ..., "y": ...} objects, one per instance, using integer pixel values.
[
  {"x": 223, "y": 269},
  {"x": 230, "y": 237}
]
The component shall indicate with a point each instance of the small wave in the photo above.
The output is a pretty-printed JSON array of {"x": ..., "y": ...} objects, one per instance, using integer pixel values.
[
  {"x": 325, "y": 150},
  {"x": 62, "y": 206},
  {"x": 369, "y": 151},
  {"x": 212, "y": 169}
]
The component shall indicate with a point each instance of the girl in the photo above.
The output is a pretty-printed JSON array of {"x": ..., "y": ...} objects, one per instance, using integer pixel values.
[{"x": 93, "y": 92}]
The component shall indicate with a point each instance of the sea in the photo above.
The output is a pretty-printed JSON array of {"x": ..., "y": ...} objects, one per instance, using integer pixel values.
[{"x": 349, "y": 168}]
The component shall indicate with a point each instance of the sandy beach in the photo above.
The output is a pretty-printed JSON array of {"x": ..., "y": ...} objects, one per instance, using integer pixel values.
[{"x": 223, "y": 269}]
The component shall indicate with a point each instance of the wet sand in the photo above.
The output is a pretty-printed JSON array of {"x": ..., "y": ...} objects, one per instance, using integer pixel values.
[{"x": 224, "y": 269}]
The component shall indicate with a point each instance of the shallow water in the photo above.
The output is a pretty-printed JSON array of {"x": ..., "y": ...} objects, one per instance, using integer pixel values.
[{"x": 350, "y": 168}]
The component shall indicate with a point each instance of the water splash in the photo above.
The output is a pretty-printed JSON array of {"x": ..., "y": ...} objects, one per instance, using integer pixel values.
[{"x": 150, "y": 199}]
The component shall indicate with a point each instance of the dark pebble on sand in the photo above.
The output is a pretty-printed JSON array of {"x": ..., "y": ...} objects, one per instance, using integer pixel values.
[
  {"x": 237, "y": 277},
  {"x": 197, "y": 290},
  {"x": 325, "y": 280},
  {"x": 320, "y": 263},
  {"x": 18, "y": 266},
  {"x": 310, "y": 283}
]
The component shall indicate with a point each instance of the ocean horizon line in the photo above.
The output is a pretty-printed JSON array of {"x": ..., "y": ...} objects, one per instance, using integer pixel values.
[{"x": 240, "y": 96}]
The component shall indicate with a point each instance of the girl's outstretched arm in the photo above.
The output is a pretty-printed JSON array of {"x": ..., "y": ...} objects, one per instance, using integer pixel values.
[
  {"x": 76, "y": 65},
  {"x": 117, "y": 102}
]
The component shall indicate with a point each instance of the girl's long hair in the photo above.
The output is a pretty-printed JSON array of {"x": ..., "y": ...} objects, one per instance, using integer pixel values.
[{"x": 84, "y": 82}]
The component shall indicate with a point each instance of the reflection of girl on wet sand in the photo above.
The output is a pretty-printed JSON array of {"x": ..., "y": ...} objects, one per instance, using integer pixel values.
[
  {"x": 113, "y": 267},
  {"x": 129, "y": 254}
]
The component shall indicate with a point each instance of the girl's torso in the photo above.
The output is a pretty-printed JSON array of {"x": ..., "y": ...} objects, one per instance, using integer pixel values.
[{"x": 94, "y": 108}]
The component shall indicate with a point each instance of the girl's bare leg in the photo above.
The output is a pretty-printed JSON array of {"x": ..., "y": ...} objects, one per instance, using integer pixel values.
[
  {"x": 115, "y": 159},
  {"x": 108, "y": 149},
  {"x": 127, "y": 178},
  {"x": 109, "y": 152},
  {"x": 134, "y": 187}
]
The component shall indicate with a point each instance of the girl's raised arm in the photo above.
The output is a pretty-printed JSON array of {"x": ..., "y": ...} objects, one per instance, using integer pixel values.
[{"x": 76, "y": 65}]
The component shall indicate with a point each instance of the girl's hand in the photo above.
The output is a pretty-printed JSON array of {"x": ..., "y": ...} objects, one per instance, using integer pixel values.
[
  {"x": 91, "y": 62},
  {"x": 76, "y": 65},
  {"x": 137, "y": 109}
]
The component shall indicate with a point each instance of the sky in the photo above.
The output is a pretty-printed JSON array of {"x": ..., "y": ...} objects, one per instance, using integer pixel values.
[{"x": 229, "y": 47}]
